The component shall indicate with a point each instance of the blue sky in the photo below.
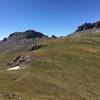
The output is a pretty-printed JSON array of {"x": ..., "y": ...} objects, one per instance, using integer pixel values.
[{"x": 58, "y": 17}]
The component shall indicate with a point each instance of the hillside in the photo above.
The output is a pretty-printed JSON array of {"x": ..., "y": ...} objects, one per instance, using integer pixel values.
[{"x": 63, "y": 69}]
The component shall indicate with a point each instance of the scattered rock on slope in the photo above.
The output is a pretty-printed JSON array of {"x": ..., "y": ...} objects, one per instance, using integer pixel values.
[
  {"x": 36, "y": 46},
  {"x": 20, "y": 60}
]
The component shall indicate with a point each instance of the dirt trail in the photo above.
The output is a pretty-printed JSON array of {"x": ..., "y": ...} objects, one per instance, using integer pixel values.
[
  {"x": 23, "y": 76},
  {"x": 19, "y": 79}
]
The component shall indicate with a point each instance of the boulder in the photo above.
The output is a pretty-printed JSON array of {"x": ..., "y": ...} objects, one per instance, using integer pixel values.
[
  {"x": 19, "y": 60},
  {"x": 36, "y": 46},
  {"x": 53, "y": 36}
]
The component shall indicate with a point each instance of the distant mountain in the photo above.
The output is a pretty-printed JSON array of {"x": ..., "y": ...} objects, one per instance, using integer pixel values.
[
  {"x": 87, "y": 28},
  {"x": 29, "y": 34},
  {"x": 21, "y": 40}
]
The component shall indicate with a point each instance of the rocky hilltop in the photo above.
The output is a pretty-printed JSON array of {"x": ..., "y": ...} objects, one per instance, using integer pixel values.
[
  {"x": 29, "y": 34},
  {"x": 87, "y": 28},
  {"x": 22, "y": 41}
]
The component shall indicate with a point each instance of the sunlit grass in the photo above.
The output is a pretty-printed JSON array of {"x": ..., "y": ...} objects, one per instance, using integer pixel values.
[{"x": 64, "y": 69}]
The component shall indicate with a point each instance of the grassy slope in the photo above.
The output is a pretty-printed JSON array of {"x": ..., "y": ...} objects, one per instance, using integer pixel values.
[{"x": 67, "y": 69}]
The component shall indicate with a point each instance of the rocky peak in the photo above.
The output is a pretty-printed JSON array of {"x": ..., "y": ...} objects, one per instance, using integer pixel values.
[
  {"x": 22, "y": 41},
  {"x": 29, "y": 34},
  {"x": 88, "y": 26}
]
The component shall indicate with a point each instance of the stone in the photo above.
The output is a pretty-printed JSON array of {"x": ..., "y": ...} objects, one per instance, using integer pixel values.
[
  {"x": 36, "y": 46},
  {"x": 53, "y": 36},
  {"x": 19, "y": 60}
]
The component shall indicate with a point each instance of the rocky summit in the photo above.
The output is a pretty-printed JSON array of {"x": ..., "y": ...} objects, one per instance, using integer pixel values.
[
  {"x": 87, "y": 28},
  {"x": 29, "y": 34},
  {"x": 21, "y": 40}
]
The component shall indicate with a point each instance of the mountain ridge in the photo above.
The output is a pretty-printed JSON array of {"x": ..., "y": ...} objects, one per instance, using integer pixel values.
[
  {"x": 21, "y": 40},
  {"x": 28, "y": 34},
  {"x": 87, "y": 28}
]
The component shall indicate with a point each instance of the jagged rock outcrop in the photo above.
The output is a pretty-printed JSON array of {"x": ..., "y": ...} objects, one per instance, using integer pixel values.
[
  {"x": 88, "y": 26},
  {"x": 54, "y": 37},
  {"x": 20, "y": 60},
  {"x": 36, "y": 46}
]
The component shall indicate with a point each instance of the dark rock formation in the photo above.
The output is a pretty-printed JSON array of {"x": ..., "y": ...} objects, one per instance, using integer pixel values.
[
  {"x": 54, "y": 37},
  {"x": 36, "y": 46},
  {"x": 22, "y": 41},
  {"x": 29, "y": 34},
  {"x": 97, "y": 24},
  {"x": 88, "y": 26},
  {"x": 5, "y": 39},
  {"x": 20, "y": 60}
]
